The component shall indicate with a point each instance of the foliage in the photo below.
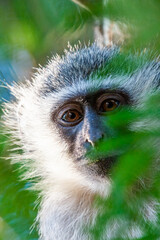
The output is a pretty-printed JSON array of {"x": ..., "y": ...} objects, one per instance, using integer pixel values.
[
  {"x": 122, "y": 64},
  {"x": 37, "y": 26},
  {"x": 136, "y": 174}
]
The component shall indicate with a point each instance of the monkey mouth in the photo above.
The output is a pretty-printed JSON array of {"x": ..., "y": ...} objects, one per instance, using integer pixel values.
[
  {"x": 101, "y": 167},
  {"x": 105, "y": 165}
]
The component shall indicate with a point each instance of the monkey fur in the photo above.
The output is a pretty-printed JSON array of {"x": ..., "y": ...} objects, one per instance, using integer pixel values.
[{"x": 54, "y": 153}]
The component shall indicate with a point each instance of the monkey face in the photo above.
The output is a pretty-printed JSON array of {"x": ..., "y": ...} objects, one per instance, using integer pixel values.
[
  {"x": 61, "y": 115},
  {"x": 82, "y": 121}
]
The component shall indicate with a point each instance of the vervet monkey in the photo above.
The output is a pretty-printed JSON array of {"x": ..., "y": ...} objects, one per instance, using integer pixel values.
[{"x": 56, "y": 119}]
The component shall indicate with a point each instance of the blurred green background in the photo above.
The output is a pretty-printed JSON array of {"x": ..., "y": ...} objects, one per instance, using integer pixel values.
[{"x": 30, "y": 33}]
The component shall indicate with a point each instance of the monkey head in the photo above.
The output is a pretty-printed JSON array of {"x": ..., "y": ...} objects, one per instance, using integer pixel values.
[{"x": 59, "y": 116}]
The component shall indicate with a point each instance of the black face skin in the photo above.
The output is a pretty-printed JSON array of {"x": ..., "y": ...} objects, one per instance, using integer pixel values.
[{"x": 81, "y": 123}]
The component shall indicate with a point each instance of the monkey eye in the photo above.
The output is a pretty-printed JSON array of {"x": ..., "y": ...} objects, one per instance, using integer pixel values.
[
  {"x": 70, "y": 115},
  {"x": 109, "y": 102},
  {"x": 109, "y": 105}
]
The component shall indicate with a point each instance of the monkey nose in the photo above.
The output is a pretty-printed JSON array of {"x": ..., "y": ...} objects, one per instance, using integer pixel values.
[{"x": 92, "y": 140}]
